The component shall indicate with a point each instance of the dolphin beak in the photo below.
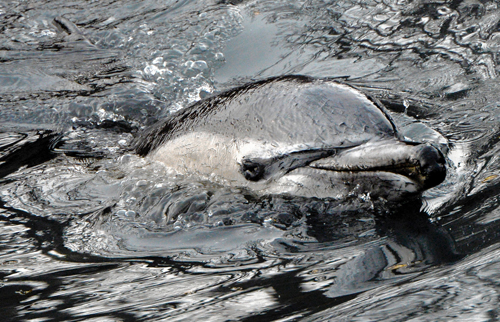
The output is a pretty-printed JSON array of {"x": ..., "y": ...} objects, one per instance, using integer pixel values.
[{"x": 423, "y": 164}]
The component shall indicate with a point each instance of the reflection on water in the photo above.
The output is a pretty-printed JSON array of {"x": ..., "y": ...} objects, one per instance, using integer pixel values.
[{"x": 91, "y": 231}]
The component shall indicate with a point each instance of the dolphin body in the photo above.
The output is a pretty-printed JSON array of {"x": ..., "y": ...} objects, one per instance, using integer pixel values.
[{"x": 294, "y": 135}]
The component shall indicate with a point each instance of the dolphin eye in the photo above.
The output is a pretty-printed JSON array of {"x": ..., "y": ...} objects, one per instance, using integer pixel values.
[{"x": 252, "y": 171}]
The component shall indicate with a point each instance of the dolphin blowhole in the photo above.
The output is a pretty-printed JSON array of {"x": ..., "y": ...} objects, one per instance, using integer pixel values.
[{"x": 294, "y": 135}]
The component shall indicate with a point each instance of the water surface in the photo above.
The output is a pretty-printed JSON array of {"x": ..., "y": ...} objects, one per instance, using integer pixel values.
[{"x": 91, "y": 231}]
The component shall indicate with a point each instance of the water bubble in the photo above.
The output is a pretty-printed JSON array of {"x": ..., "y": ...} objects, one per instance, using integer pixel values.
[
  {"x": 443, "y": 10},
  {"x": 219, "y": 56},
  {"x": 158, "y": 60}
]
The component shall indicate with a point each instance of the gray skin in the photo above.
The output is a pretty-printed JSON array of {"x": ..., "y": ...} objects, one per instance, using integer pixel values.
[{"x": 294, "y": 135}]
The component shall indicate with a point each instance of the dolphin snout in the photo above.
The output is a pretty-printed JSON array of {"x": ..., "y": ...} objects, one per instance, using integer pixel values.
[{"x": 422, "y": 163}]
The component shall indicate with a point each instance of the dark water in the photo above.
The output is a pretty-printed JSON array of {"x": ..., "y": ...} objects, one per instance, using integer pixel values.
[{"x": 90, "y": 231}]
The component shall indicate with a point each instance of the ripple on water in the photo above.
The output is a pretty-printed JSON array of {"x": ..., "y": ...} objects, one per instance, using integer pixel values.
[
  {"x": 96, "y": 234},
  {"x": 468, "y": 290}
]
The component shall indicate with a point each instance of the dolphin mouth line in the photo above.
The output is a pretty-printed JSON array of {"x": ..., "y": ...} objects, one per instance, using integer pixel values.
[
  {"x": 423, "y": 164},
  {"x": 409, "y": 171}
]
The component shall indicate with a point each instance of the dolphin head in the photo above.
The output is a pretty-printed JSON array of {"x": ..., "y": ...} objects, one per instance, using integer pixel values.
[{"x": 295, "y": 135}]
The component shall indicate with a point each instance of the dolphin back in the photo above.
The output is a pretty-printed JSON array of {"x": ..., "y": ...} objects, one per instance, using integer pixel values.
[{"x": 295, "y": 111}]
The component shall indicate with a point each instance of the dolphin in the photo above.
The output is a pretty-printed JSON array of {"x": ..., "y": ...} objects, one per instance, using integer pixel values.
[{"x": 294, "y": 135}]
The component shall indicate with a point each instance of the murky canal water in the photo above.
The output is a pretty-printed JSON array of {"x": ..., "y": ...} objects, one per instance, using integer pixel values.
[{"x": 92, "y": 231}]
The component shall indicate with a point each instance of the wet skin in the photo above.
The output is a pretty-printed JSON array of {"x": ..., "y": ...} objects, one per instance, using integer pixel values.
[{"x": 295, "y": 135}]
